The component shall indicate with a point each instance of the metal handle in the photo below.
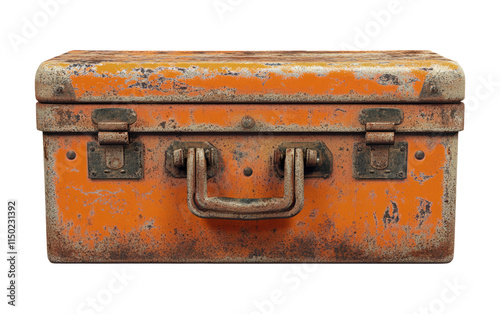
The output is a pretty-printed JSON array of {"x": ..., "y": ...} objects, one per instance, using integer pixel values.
[{"x": 243, "y": 208}]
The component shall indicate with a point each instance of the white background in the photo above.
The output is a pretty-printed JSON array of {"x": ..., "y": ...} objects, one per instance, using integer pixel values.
[{"x": 465, "y": 31}]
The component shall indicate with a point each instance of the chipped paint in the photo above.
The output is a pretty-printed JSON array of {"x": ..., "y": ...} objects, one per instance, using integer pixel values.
[
  {"x": 235, "y": 77},
  {"x": 340, "y": 221},
  {"x": 305, "y": 118}
]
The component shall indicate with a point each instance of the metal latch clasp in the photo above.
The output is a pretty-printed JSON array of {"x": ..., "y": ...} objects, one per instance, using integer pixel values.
[
  {"x": 114, "y": 135},
  {"x": 380, "y": 156},
  {"x": 113, "y": 156},
  {"x": 379, "y": 135}
]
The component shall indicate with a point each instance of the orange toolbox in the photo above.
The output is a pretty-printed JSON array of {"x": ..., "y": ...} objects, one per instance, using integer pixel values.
[{"x": 280, "y": 156}]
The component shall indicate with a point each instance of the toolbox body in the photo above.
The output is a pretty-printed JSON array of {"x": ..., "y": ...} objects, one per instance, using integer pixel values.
[{"x": 250, "y": 156}]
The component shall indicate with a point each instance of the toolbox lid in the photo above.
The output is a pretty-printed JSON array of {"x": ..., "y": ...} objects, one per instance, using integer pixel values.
[{"x": 249, "y": 77}]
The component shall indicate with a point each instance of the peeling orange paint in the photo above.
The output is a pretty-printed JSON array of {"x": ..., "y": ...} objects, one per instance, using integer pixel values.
[{"x": 347, "y": 212}]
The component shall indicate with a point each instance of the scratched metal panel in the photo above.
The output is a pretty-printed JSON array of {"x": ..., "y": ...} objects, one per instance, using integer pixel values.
[
  {"x": 245, "y": 77},
  {"x": 343, "y": 219}
]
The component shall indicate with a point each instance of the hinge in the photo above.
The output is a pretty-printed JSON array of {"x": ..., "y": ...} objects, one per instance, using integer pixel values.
[
  {"x": 113, "y": 156},
  {"x": 380, "y": 156}
]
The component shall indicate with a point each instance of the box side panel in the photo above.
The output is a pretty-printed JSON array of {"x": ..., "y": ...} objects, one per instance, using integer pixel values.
[{"x": 343, "y": 220}]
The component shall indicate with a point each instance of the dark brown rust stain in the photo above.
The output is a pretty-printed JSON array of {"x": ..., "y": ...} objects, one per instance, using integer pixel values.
[
  {"x": 441, "y": 252},
  {"x": 91, "y": 57},
  {"x": 305, "y": 247},
  {"x": 67, "y": 117},
  {"x": 388, "y": 218},
  {"x": 388, "y": 79},
  {"x": 55, "y": 76},
  {"x": 424, "y": 210},
  {"x": 349, "y": 253}
]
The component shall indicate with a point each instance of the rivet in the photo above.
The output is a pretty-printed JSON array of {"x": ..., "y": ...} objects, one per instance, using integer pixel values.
[
  {"x": 92, "y": 149},
  {"x": 247, "y": 122},
  {"x": 247, "y": 171},
  {"x": 71, "y": 154},
  {"x": 93, "y": 173},
  {"x": 400, "y": 173},
  {"x": 419, "y": 155}
]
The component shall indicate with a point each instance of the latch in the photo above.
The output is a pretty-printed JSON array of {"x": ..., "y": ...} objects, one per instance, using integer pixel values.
[
  {"x": 380, "y": 156},
  {"x": 113, "y": 156}
]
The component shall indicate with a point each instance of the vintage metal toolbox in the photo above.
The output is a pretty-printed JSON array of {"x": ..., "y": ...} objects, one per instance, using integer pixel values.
[{"x": 250, "y": 156}]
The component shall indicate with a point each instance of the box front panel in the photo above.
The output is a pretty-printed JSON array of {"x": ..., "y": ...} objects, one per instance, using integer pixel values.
[{"x": 343, "y": 219}]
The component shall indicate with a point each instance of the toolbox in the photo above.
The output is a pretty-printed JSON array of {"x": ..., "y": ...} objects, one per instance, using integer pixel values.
[{"x": 271, "y": 156}]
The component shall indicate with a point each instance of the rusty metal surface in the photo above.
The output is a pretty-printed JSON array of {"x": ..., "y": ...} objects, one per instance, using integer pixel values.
[
  {"x": 268, "y": 118},
  {"x": 380, "y": 126},
  {"x": 379, "y": 157},
  {"x": 175, "y": 165},
  {"x": 245, "y": 208},
  {"x": 112, "y": 162},
  {"x": 113, "y": 138},
  {"x": 380, "y": 161},
  {"x": 377, "y": 203},
  {"x": 342, "y": 220},
  {"x": 260, "y": 76},
  {"x": 112, "y": 126},
  {"x": 382, "y": 138},
  {"x": 318, "y": 158},
  {"x": 312, "y": 158}
]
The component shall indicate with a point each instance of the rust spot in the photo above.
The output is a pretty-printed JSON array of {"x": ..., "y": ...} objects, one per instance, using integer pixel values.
[
  {"x": 424, "y": 210},
  {"x": 260, "y": 76},
  {"x": 389, "y": 218},
  {"x": 388, "y": 79}
]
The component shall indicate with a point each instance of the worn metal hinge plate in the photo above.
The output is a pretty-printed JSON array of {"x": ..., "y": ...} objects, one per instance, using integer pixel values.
[
  {"x": 132, "y": 162},
  {"x": 397, "y": 162}
]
